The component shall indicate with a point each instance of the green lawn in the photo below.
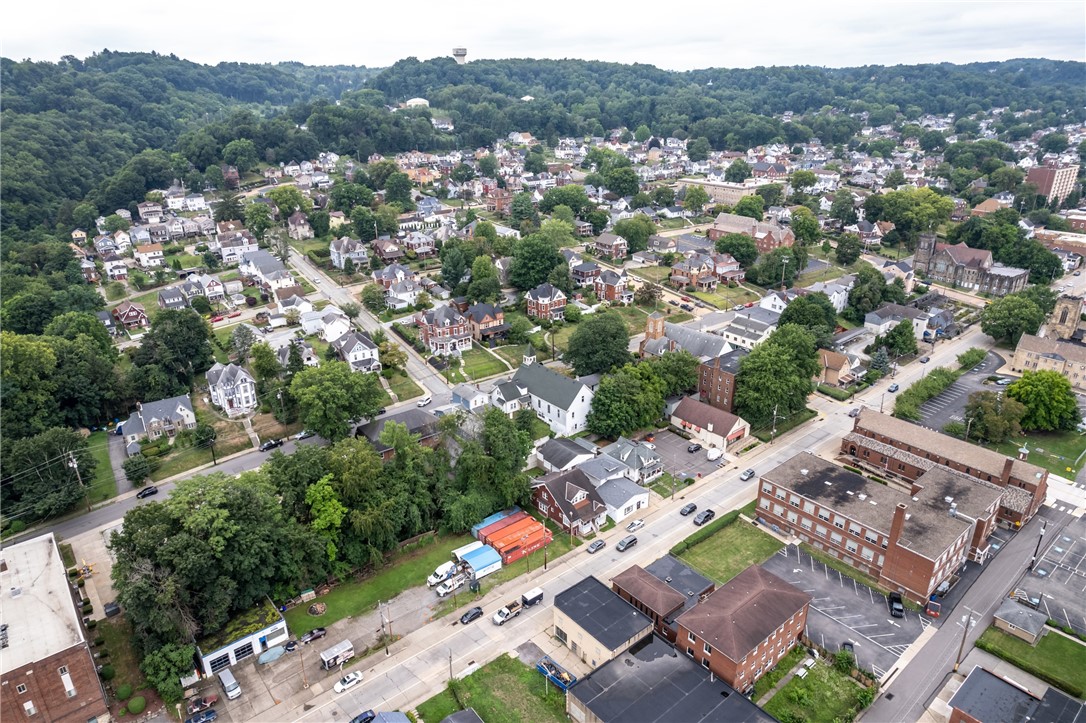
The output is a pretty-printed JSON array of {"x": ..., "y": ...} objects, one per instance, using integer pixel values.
[
  {"x": 726, "y": 298},
  {"x": 662, "y": 484},
  {"x": 561, "y": 337},
  {"x": 103, "y": 486},
  {"x": 828, "y": 273},
  {"x": 731, "y": 550},
  {"x": 512, "y": 353},
  {"x": 785, "y": 425},
  {"x": 479, "y": 363},
  {"x": 1059, "y": 452},
  {"x": 824, "y": 696},
  {"x": 504, "y": 691},
  {"x": 655, "y": 274},
  {"x": 845, "y": 569},
  {"x": 765, "y": 684},
  {"x": 635, "y": 317},
  {"x": 360, "y": 595},
  {"x": 116, "y": 634},
  {"x": 404, "y": 387},
  {"x": 1056, "y": 659}
]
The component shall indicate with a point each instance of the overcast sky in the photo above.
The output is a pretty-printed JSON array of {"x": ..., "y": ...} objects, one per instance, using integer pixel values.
[{"x": 674, "y": 35}]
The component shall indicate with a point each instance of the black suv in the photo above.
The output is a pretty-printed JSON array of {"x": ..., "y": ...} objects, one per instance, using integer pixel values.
[
  {"x": 893, "y": 601},
  {"x": 703, "y": 517},
  {"x": 688, "y": 509},
  {"x": 271, "y": 444}
]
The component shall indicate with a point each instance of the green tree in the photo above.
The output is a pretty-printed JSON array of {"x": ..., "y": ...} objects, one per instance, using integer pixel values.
[
  {"x": 38, "y": 480},
  {"x": 485, "y": 284},
  {"x": 880, "y": 362},
  {"x": 326, "y": 513},
  {"x": 803, "y": 180},
  {"x": 115, "y": 223},
  {"x": 373, "y": 298},
  {"x": 628, "y": 399},
  {"x": 265, "y": 362},
  {"x": 993, "y": 417},
  {"x": 648, "y": 294},
  {"x": 901, "y": 339},
  {"x": 137, "y": 469},
  {"x": 815, "y": 313},
  {"x": 229, "y": 207},
  {"x": 241, "y": 341},
  {"x": 522, "y": 209},
  {"x": 623, "y": 181},
  {"x": 1050, "y": 402},
  {"x": 329, "y": 396},
  {"x": 598, "y": 344},
  {"x": 1054, "y": 143},
  {"x": 534, "y": 258},
  {"x": 1007, "y": 319},
  {"x": 572, "y": 195},
  {"x": 774, "y": 380},
  {"x": 564, "y": 214},
  {"x": 241, "y": 153},
  {"x": 398, "y": 190},
  {"x": 289, "y": 199},
  {"x": 258, "y": 219},
  {"x": 677, "y": 370},
  {"x": 740, "y": 246},
  {"x": 771, "y": 194},
  {"x": 346, "y": 196},
  {"x": 695, "y": 199},
  {"x": 848, "y": 249},
  {"x": 636, "y": 231},
  {"x": 165, "y": 666},
  {"x": 738, "y": 171},
  {"x": 73, "y": 324},
  {"x": 843, "y": 208},
  {"x": 535, "y": 163},
  {"x": 462, "y": 173},
  {"x": 642, "y": 133},
  {"x": 27, "y": 369},
  {"x": 774, "y": 268},
  {"x": 805, "y": 225},
  {"x": 663, "y": 195},
  {"x": 488, "y": 166},
  {"x": 750, "y": 206}
]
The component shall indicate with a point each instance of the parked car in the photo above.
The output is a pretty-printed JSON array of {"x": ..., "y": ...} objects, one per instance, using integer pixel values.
[
  {"x": 201, "y": 704},
  {"x": 204, "y": 717},
  {"x": 304, "y": 434},
  {"x": 854, "y": 412},
  {"x": 364, "y": 717},
  {"x": 217, "y": 319},
  {"x": 348, "y": 681},
  {"x": 893, "y": 387},
  {"x": 626, "y": 543},
  {"x": 694, "y": 448},
  {"x": 314, "y": 634},
  {"x": 270, "y": 445},
  {"x": 686, "y": 307},
  {"x": 424, "y": 401},
  {"x": 1005, "y": 382},
  {"x": 703, "y": 517},
  {"x": 747, "y": 474},
  {"x": 688, "y": 509},
  {"x": 893, "y": 602},
  {"x": 473, "y": 614},
  {"x": 635, "y": 525},
  {"x": 848, "y": 647},
  {"x": 925, "y": 359},
  {"x": 596, "y": 546},
  {"x": 147, "y": 492},
  {"x": 673, "y": 302},
  {"x": 685, "y": 298},
  {"x": 235, "y": 315}
]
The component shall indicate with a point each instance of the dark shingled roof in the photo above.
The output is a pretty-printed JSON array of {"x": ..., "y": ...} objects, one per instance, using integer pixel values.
[
  {"x": 738, "y": 616},
  {"x": 653, "y": 593},
  {"x": 991, "y": 699},
  {"x": 651, "y": 682},
  {"x": 602, "y": 613}
]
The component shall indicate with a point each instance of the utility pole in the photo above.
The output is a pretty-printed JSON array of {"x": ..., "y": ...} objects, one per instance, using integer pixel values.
[
  {"x": 74, "y": 464},
  {"x": 784, "y": 265},
  {"x": 301, "y": 662},
  {"x": 545, "y": 556},
  {"x": 1036, "y": 550},
  {"x": 773, "y": 433},
  {"x": 388, "y": 606},
  {"x": 965, "y": 631},
  {"x": 450, "y": 665}
]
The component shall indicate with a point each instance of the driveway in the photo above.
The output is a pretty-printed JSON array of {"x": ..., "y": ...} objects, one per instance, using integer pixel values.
[
  {"x": 949, "y": 405},
  {"x": 845, "y": 610},
  {"x": 680, "y": 463},
  {"x": 116, "y": 462}
]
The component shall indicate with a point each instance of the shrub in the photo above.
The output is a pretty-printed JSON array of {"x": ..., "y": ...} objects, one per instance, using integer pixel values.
[
  {"x": 107, "y": 672},
  {"x": 17, "y": 526},
  {"x": 123, "y": 712},
  {"x": 137, "y": 704},
  {"x": 91, "y": 624},
  {"x": 99, "y": 641},
  {"x": 124, "y": 691},
  {"x": 970, "y": 358},
  {"x": 844, "y": 661},
  {"x": 954, "y": 429},
  {"x": 81, "y": 582},
  {"x": 73, "y": 572},
  {"x": 705, "y": 532}
]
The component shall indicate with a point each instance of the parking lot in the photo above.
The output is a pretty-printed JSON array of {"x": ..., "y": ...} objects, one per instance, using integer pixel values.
[
  {"x": 949, "y": 406},
  {"x": 1058, "y": 580},
  {"x": 845, "y": 610},
  {"x": 680, "y": 463}
]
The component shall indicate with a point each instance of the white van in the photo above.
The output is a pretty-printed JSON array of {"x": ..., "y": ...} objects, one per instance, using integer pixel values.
[
  {"x": 229, "y": 684},
  {"x": 424, "y": 401}
]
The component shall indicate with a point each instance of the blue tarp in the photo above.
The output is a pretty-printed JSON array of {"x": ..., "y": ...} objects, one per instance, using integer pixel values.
[
  {"x": 482, "y": 558},
  {"x": 492, "y": 519}
]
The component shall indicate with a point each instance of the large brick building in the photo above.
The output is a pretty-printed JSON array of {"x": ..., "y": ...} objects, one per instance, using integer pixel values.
[
  {"x": 904, "y": 450},
  {"x": 1037, "y": 354},
  {"x": 740, "y": 631},
  {"x": 767, "y": 235},
  {"x": 910, "y": 539},
  {"x": 716, "y": 379},
  {"x": 46, "y": 669},
  {"x": 663, "y": 591},
  {"x": 967, "y": 268},
  {"x": 1053, "y": 182}
]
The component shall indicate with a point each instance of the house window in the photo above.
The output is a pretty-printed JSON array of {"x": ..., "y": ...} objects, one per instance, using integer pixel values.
[
  {"x": 560, "y": 634},
  {"x": 707, "y": 649},
  {"x": 690, "y": 652},
  {"x": 690, "y": 637},
  {"x": 69, "y": 687},
  {"x": 705, "y": 662},
  {"x": 20, "y": 688},
  {"x": 29, "y": 708}
]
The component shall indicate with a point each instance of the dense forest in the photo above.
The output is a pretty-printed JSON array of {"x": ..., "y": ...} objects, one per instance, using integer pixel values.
[{"x": 103, "y": 130}]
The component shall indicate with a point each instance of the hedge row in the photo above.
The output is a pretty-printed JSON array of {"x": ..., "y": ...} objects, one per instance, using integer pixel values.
[
  {"x": 841, "y": 395},
  {"x": 705, "y": 532},
  {"x": 907, "y": 404}
]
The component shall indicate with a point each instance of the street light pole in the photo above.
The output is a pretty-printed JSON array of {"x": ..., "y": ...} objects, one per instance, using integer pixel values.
[
  {"x": 784, "y": 265},
  {"x": 1036, "y": 550},
  {"x": 965, "y": 631},
  {"x": 74, "y": 464}
]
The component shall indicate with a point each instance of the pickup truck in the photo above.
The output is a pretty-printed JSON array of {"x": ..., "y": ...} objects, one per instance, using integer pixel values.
[
  {"x": 510, "y": 611},
  {"x": 453, "y": 583}
]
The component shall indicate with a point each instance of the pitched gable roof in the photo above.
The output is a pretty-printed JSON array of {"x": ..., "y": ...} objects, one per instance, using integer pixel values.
[{"x": 548, "y": 385}]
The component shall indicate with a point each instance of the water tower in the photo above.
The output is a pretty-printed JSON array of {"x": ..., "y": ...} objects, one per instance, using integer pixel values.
[{"x": 461, "y": 55}]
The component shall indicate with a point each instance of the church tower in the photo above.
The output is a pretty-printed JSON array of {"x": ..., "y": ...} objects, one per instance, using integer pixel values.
[
  {"x": 654, "y": 328},
  {"x": 925, "y": 249},
  {"x": 529, "y": 355},
  {"x": 1065, "y": 317}
]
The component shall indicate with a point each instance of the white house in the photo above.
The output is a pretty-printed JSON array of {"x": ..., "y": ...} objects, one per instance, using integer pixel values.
[
  {"x": 402, "y": 294},
  {"x": 623, "y": 498},
  {"x": 232, "y": 389},
  {"x": 149, "y": 256},
  {"x": 358, "y": 350},
  {"x": 235, "y": 244},
  {"x": 348, "y": 248},
  {"x": 469, "y": 398},
  {"x": 561, "y": 454},
  {"x": 267, "y": 270},
  {"x": 561, "y": 402},
  {"x": 334, "y": 324},
  {"x": 886, "y": 317}
]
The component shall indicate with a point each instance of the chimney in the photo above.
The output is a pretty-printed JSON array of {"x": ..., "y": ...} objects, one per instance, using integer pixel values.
[
  {"x": 898, "y": 523},
  {"x": 1008, "y": 463}
]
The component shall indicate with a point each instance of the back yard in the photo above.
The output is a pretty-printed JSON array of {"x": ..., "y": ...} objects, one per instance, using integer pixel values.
[
  {"x": 823, "y": 696},
  {"x": 504, "y": 691}
]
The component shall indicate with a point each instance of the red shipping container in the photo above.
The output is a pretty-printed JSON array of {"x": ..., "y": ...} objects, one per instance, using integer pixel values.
[
  {"x": 514, "y": 533},
  {"x": 489, "y": 531},
  {"x": 518, "y": 537},
  {"x": 535, "y": 543}
]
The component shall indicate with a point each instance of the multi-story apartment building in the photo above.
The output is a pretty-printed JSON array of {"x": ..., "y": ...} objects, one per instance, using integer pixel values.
[
  {"x": 1053, "y": 181},
  {"x": 1037, "y": 354},
  {"x": 716, "y": 379}
]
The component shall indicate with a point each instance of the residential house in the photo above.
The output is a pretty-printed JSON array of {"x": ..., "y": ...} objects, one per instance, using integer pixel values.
[
  {"x": 663, "y": 591},
  {"x": 836, "y": 291},
  {"x": 986, "y": 696},
  {"x": 697, "y": 270},
  {"x": 345, "y": 248},
  {"x": 79, "y": 237},
  {"x": 744, "y": 627},
  {"x": 292, "y": 298},
  {"x": 662, "y": 336},
  {"x": 546, "y": 302},
  {"x": 107, "y": 321},
  {"x": 234, "y": 245},
  {"x": 767, "y": 235},
  {"x": 469, "y": 398},
  {"x": 445, "y": 331},
  {"x": 306, "y": 352},
  {"x": 89, "y": 271},
  {"x": 727, "y": 269},
  {"x": 357, "y": 349},
  {"x": 149, "y": 256},
  {"x": 561, "y": 402},
  {"x": 561, "y": 454},
  {"x": 337, "y": 219},
  {"x": 266, "y": 270},
  {"x": 571, "y": 501},
  {"x": 123, "y": 240},
  {"x": 585, "y": 273},
  {"x": 611, "y": 246},
  {"x": 645, "y": 464},
  {"x": 421, "y": 244},
  {"x": 172, "y": 298},
  {"x": 623, "y": 498},
  {"x": 232, "y": 389},
  {"x": 710, "y": 426},
  {"x": 208, "y": 286},
  {"x": 334, "y": 323},
  {"x": 597, "y": 624},
  {"x": 388, "y": 251},
  {"x": 418, "y": 422},
  {"x": 298, "y": 227},
  {"x": 150, "y": 212},
  {"x": 403, "y": 294},
  {"x": 503, "y": 265},
  {"x": 130, "y": 315},
  {"x": 487, "y": 322},
  {"x": 116, "y": 267},
  {"x": 836, "y": 368},
  {"x": 154, "y": 419},
  {"x": 613, "y": 287},
  {"x": 886, "y": 317},
  {"x": 388, "y": 275},
  {"x": 716, "y": 379},
  {"x": 1014, "y": 618}
]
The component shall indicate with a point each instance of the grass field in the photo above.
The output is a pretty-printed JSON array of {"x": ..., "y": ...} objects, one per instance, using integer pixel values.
[
  {"x": 786, "y": 425},
  {"x": 1055, "y": 451},
  {"x": 361, "y": 595},
  {"x": 725, "y": 298},
  {"x": 479, "y": 363},
  {"x": 635, "y": 317},
  {"x": 765, "y": 684},
  {"x": 504, "y": 691},
  {"x": 730, "y": 551},
  {"x": 662, "y": 484},
  {"x": 404, "y": 387},
  {"x": 117, "y": 636},
  {"x": 1056, "y": 659},
  {"x": 512, "y": 353},
  {"x": 824, "y": 696},
  {"x": 655, "y": 274},
  {"x": 104, "y": 485}
]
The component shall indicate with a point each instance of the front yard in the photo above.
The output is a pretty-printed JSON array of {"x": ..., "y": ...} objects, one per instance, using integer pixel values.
[
  {"x": 403, "y": 387},
  {"x": 725, "y": 298},
  {"x": 480, "y": 363},
  {"x": 1056, "y": 659},
  {"x": 655, "y": 274},
  {"x": 104, "y": 485},
  {"x": 504, "y": 691},
  {"x": 731, "y": 550}
]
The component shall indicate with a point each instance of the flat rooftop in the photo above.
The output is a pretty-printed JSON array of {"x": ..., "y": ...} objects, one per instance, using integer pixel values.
[
  {"x": 37, "y": 603},
  {"x": 989, "y": 698},
  {"x": 652, "y": 682},
  {"x": 601, "y": 613}
]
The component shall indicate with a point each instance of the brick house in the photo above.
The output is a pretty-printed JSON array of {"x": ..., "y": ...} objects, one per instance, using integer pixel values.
[
  {"x": 716, "y": 379},
  {"x": 445, "y": 331},
  {"x": 388, "y": 251},
  {"x": 767, "y": 235},
  {"x": 585, "y": 274},
  {"x": 389, "y": 275},
  {"x": 486, "y": 321},
  {"x": 546, "y": 302},
  {"x": 498, "y": 201},
  {"x": 421, "y": 244},
  {"x": 742, "y": 629},
  {"x": 131, "y": 316},
  {"x": 571, "y": 500},
  {"x": 614, "y": 287},
  {"x": 711, "y": 426},
  {"x": 611, "y": 246},
  {"x": 698, "y": 271}
]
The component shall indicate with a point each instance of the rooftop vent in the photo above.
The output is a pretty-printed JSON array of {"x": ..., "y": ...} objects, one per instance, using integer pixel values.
[
  {"x": 803, "y": 472},
  {"x": 948, "y": 499},
  {"x": 872, "y": 502},
  {"x": 908, "y": 516},
  {"x": 849, "y": 492},
  {"x": 16, "y": 592},
  {"x": 827, "y": 483},
  {"x": 667, "y": 579}
]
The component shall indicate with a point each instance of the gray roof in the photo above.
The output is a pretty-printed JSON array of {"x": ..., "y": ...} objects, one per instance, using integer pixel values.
[
  {"x": 894, "y": 312},
  {"x": 417, "y": 421},
  {"x": 463, "y": 716},
  {"x": 728, "y": 362},
  {"x": 753, "y": 322},
  {"x": 226, "y": 375},
  {"x": 602, "y": 468},
  {"x": 550, "y": 386},
  {"x": 162, "y": 409},
  {"x": 652, "y": 683},
  {"x": 701, "y": 344},
  {"x": 989, "y": 698},
  {"x": 545, "y": 292},
  {"x": 617, "y": 492},
  {"x": 681, "y": 577},
  {"x": 601, "y": 613},
  {"x": 560, "y": 451},
  {"x": 263, "y": 261},
  {"x": 1021, "y": 617},
  {"x": 634, "y": 454}
]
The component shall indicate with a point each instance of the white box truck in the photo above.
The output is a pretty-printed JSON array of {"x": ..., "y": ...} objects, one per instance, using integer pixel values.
[{"x": 337, "y": 654}]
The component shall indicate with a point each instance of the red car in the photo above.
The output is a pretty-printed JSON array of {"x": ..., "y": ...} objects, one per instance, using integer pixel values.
[
  {"x": 685, "y": 298},
  {"x": 750, "y": 304},
  {"x": 202, "y": 704},
  {"x": 216, "y": 319},
  {"x": 234, "y": 315}
]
